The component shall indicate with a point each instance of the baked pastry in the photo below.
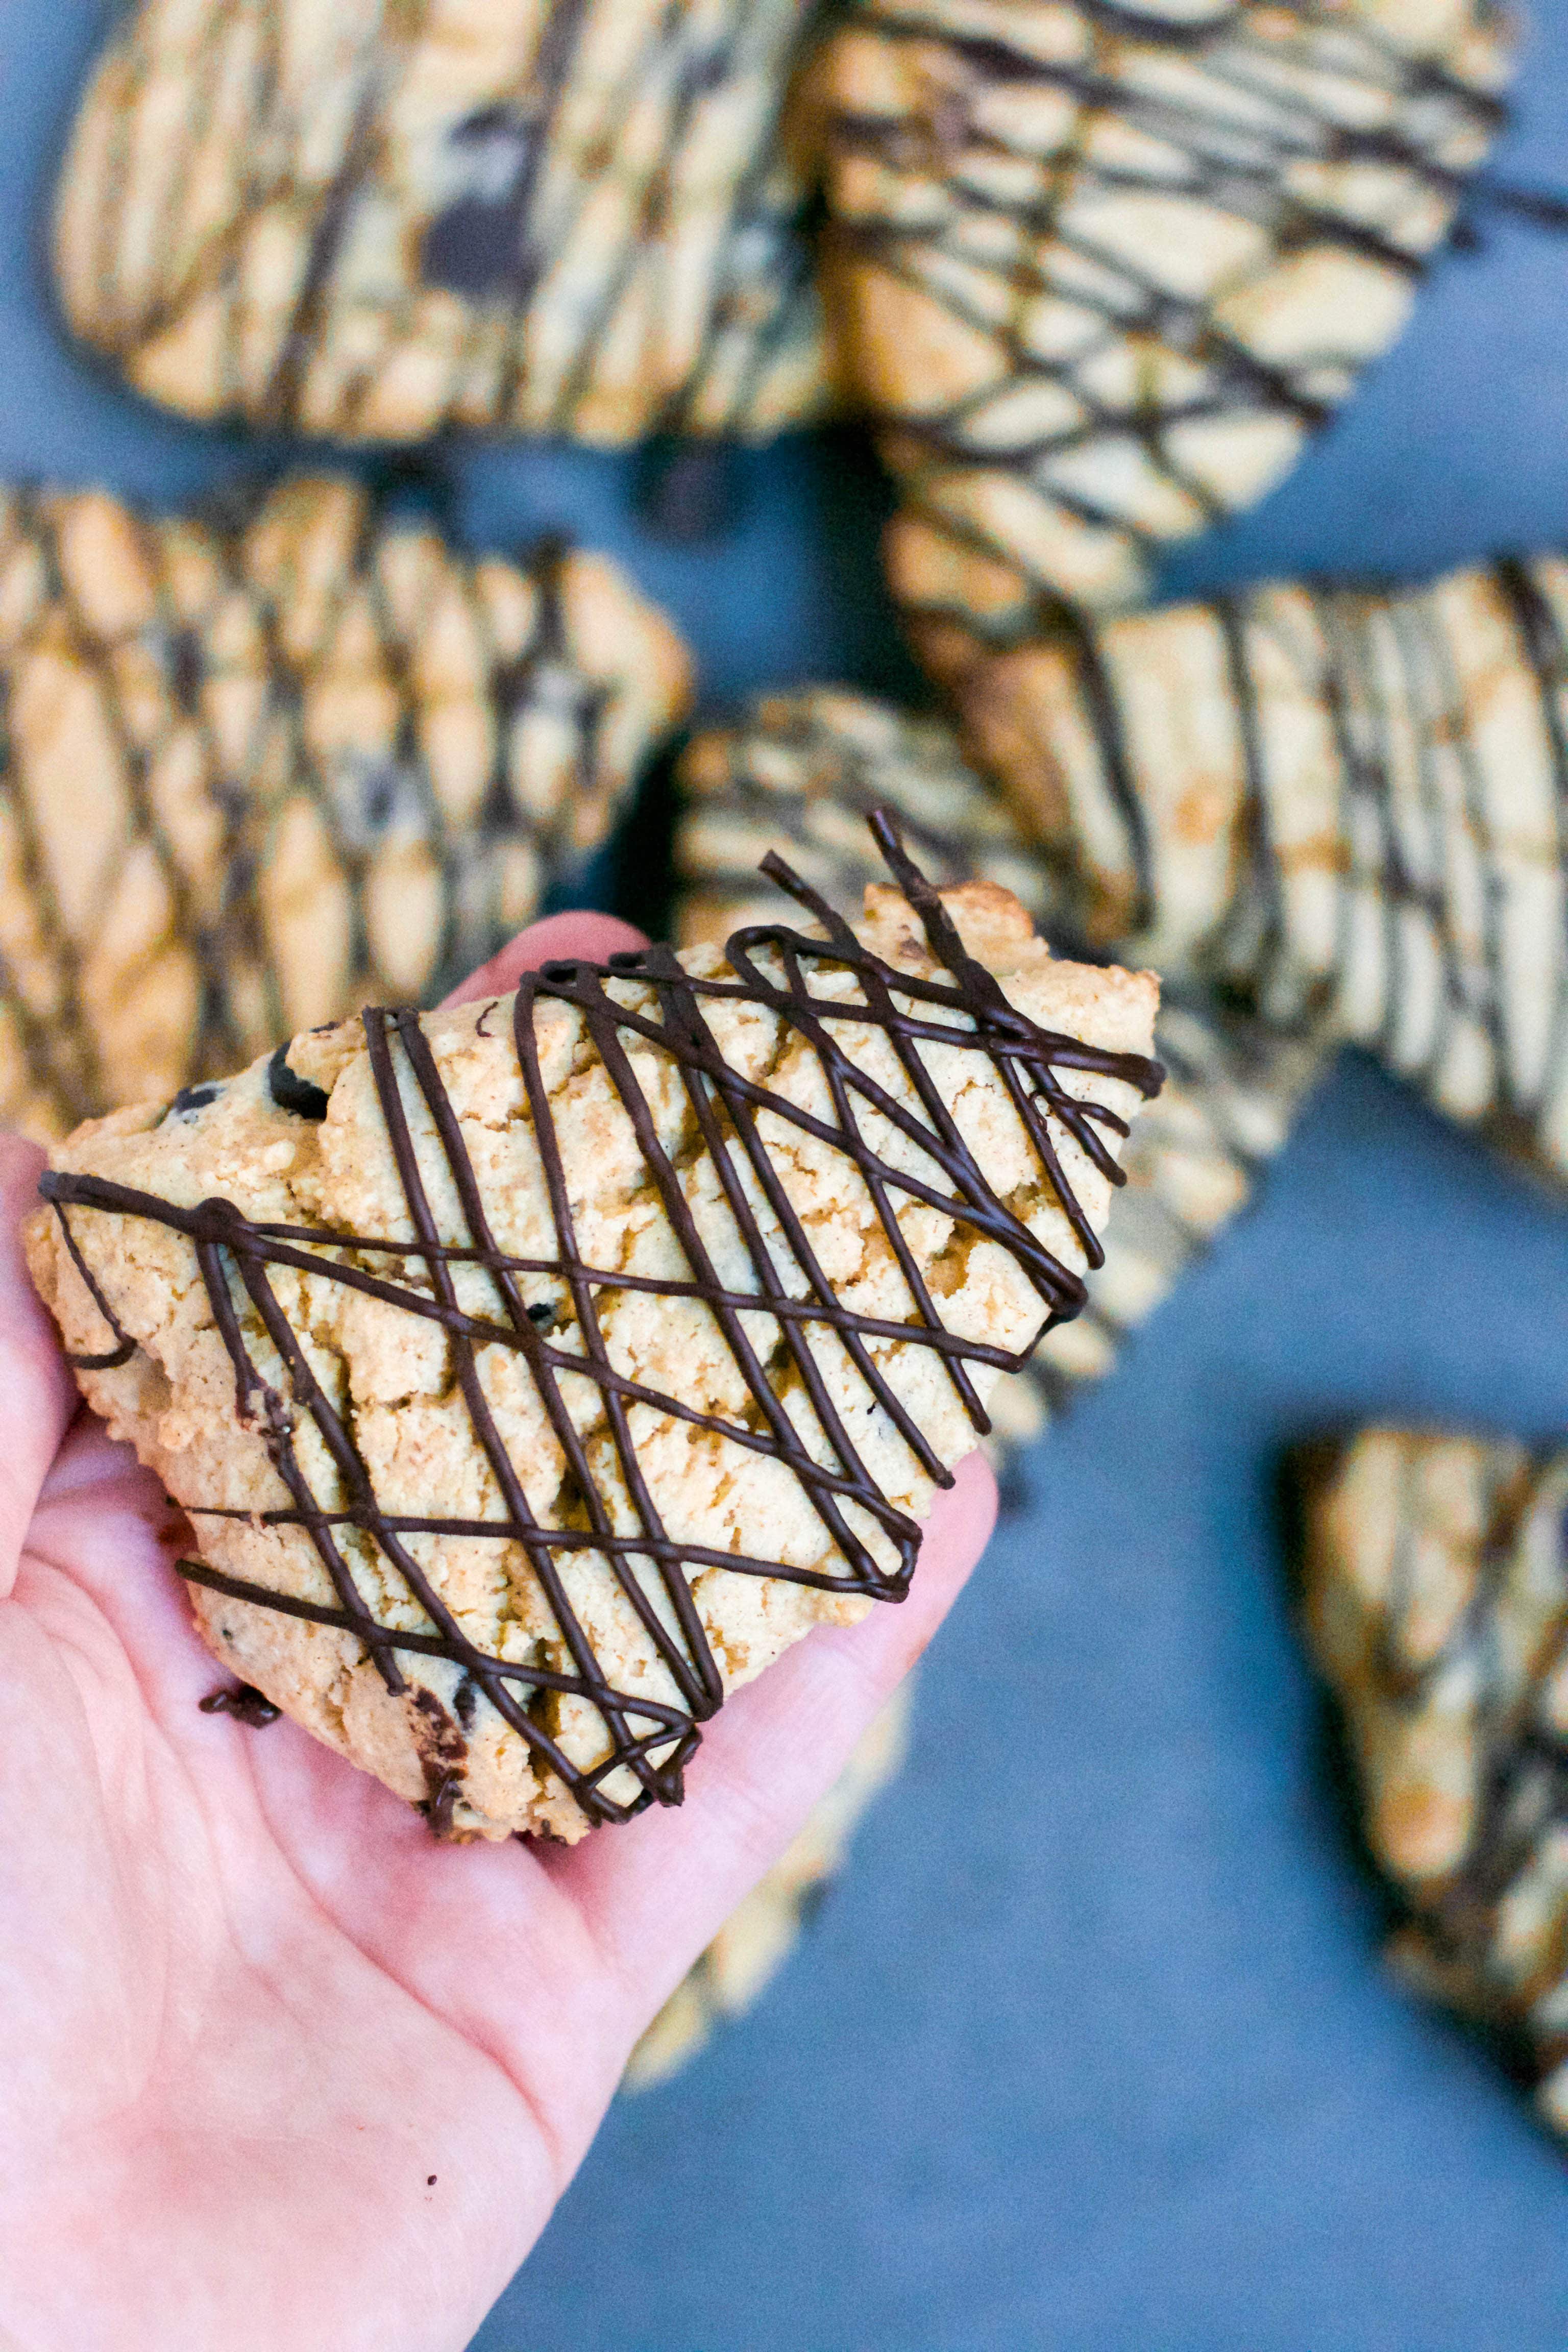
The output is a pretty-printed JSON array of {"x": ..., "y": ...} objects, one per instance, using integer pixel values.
[
  {"x": 256, "y": 774},
  {"x": 1099, "y": 273},
  {"x": 799, "y": 775},
  {"x": 1437, "y": 1603},
  {"x": 534, "y": 1371},
  {"x": 1339, "y": 803},
  {"x": 532, "y": 216},
  {"x": 759, "y": 1936}
]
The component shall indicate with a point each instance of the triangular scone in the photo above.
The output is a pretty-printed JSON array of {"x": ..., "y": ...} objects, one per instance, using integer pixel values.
[
  {"x": 259, "y": 772},
  {"x": 536, "y": 1372},
  {"x": 371, "y": 223},
  {"x": 1436, "y": 1602},
  {"x": 1099, "y": 272},
  {"x": 1337, "y": 803},
  {"x": 799, "y": 775}
]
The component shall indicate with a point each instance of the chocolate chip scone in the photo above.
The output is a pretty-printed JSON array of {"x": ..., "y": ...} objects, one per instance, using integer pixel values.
[
  {"x": 371, "y": 223},
  {"x": 1340, "y": 803},
  {"x": 1436, "y": 1604},
  {"x": 536, "y": 1371},
  {"x": 1099, "y": 273},
  {"x": 256, "y": 774},
  {"x": 799, "y": 775}
]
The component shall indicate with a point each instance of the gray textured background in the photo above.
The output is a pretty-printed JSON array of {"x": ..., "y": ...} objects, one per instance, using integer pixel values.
[{"x": 1091, "y": 2049}]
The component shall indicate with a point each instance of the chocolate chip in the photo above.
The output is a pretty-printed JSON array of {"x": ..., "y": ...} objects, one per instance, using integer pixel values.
[
  {"x": 479, "y": 244},
  {"x": 246, "y": 1704},
  {"x": 182, "y": 653},
  {"x": 290, "y": 1092},
  {"x": 192, "y": 1098}
]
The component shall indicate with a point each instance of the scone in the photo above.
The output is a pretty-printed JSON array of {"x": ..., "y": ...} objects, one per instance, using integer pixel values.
[
  {"x": 799, "y": 775},
  {"x": 371, "y": 223},
  {"x": 1436, "y": 1604},
  {"x": 1337, "y": 803},
  {"x": 260, "y": 772},
  {"x": 534, "y": 1372},
  {"x": 1097, "y": 273}
]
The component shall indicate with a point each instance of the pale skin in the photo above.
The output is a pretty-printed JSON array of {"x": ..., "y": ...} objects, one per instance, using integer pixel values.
[{"x": 276, "y": 2068}]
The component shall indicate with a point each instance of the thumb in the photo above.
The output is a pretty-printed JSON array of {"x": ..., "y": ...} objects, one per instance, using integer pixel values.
[
  {"x": 588, "y": 935},
  {"x": 37, "y": 1395}
]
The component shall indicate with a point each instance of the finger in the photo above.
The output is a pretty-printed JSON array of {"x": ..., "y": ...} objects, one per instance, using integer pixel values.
[
  {"x": 655, "y": 1892},
  {"x": 593, "y": 937},
  {"x": 37, "y": 1395}
]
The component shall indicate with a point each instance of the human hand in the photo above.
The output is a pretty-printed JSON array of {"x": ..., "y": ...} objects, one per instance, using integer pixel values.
[{"x": 275, "y": 2068}]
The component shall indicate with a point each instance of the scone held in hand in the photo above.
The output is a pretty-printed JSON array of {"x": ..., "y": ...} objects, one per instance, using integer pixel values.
[{"x": 534, "y": 1372}]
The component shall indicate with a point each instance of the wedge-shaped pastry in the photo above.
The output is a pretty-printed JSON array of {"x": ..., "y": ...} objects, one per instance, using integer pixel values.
[
  {"x": 798, "y": 776},
  {"x": 1100, "y": 272},
  {"x": 255, "y": 776},
  {"x": 1340, "y": 803},
  {"x": 1436, "y": 1600},
  {"x": 372, "y": 222},
  {"x": 536, "y": 1371},
  {"x": 757, "y": 1939}
]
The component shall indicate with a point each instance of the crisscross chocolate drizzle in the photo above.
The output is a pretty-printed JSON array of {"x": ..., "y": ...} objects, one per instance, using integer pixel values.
[
  {"x": 1239, "y": 110},
  {"x": 651, "y": 1738}
]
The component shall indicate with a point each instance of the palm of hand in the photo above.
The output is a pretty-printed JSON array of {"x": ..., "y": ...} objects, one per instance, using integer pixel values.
[
  {"x": 272, "y": 2007},
  {"x": 274, "y": 2067}
]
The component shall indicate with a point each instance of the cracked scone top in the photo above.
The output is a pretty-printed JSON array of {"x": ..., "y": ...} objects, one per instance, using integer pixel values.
[{"x": 534, "y": 1372}]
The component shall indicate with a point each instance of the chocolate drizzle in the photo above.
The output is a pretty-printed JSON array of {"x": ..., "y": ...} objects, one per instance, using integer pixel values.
[
  {"x": 772, "y": 966},
  {"x": 410, "y": 868},
  {"x": 1253, "y": 116},
  {"x": 1398, "y": 854},
  {"x": 793, "y": 774},
  {"x": 555, "y": 204},
  {"x": 1391, "y": 672},
  {"x": 1469, "y": 1717}
]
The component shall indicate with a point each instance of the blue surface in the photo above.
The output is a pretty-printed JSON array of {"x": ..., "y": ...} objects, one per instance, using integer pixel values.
[{"x": 1091, "y": 2049}]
